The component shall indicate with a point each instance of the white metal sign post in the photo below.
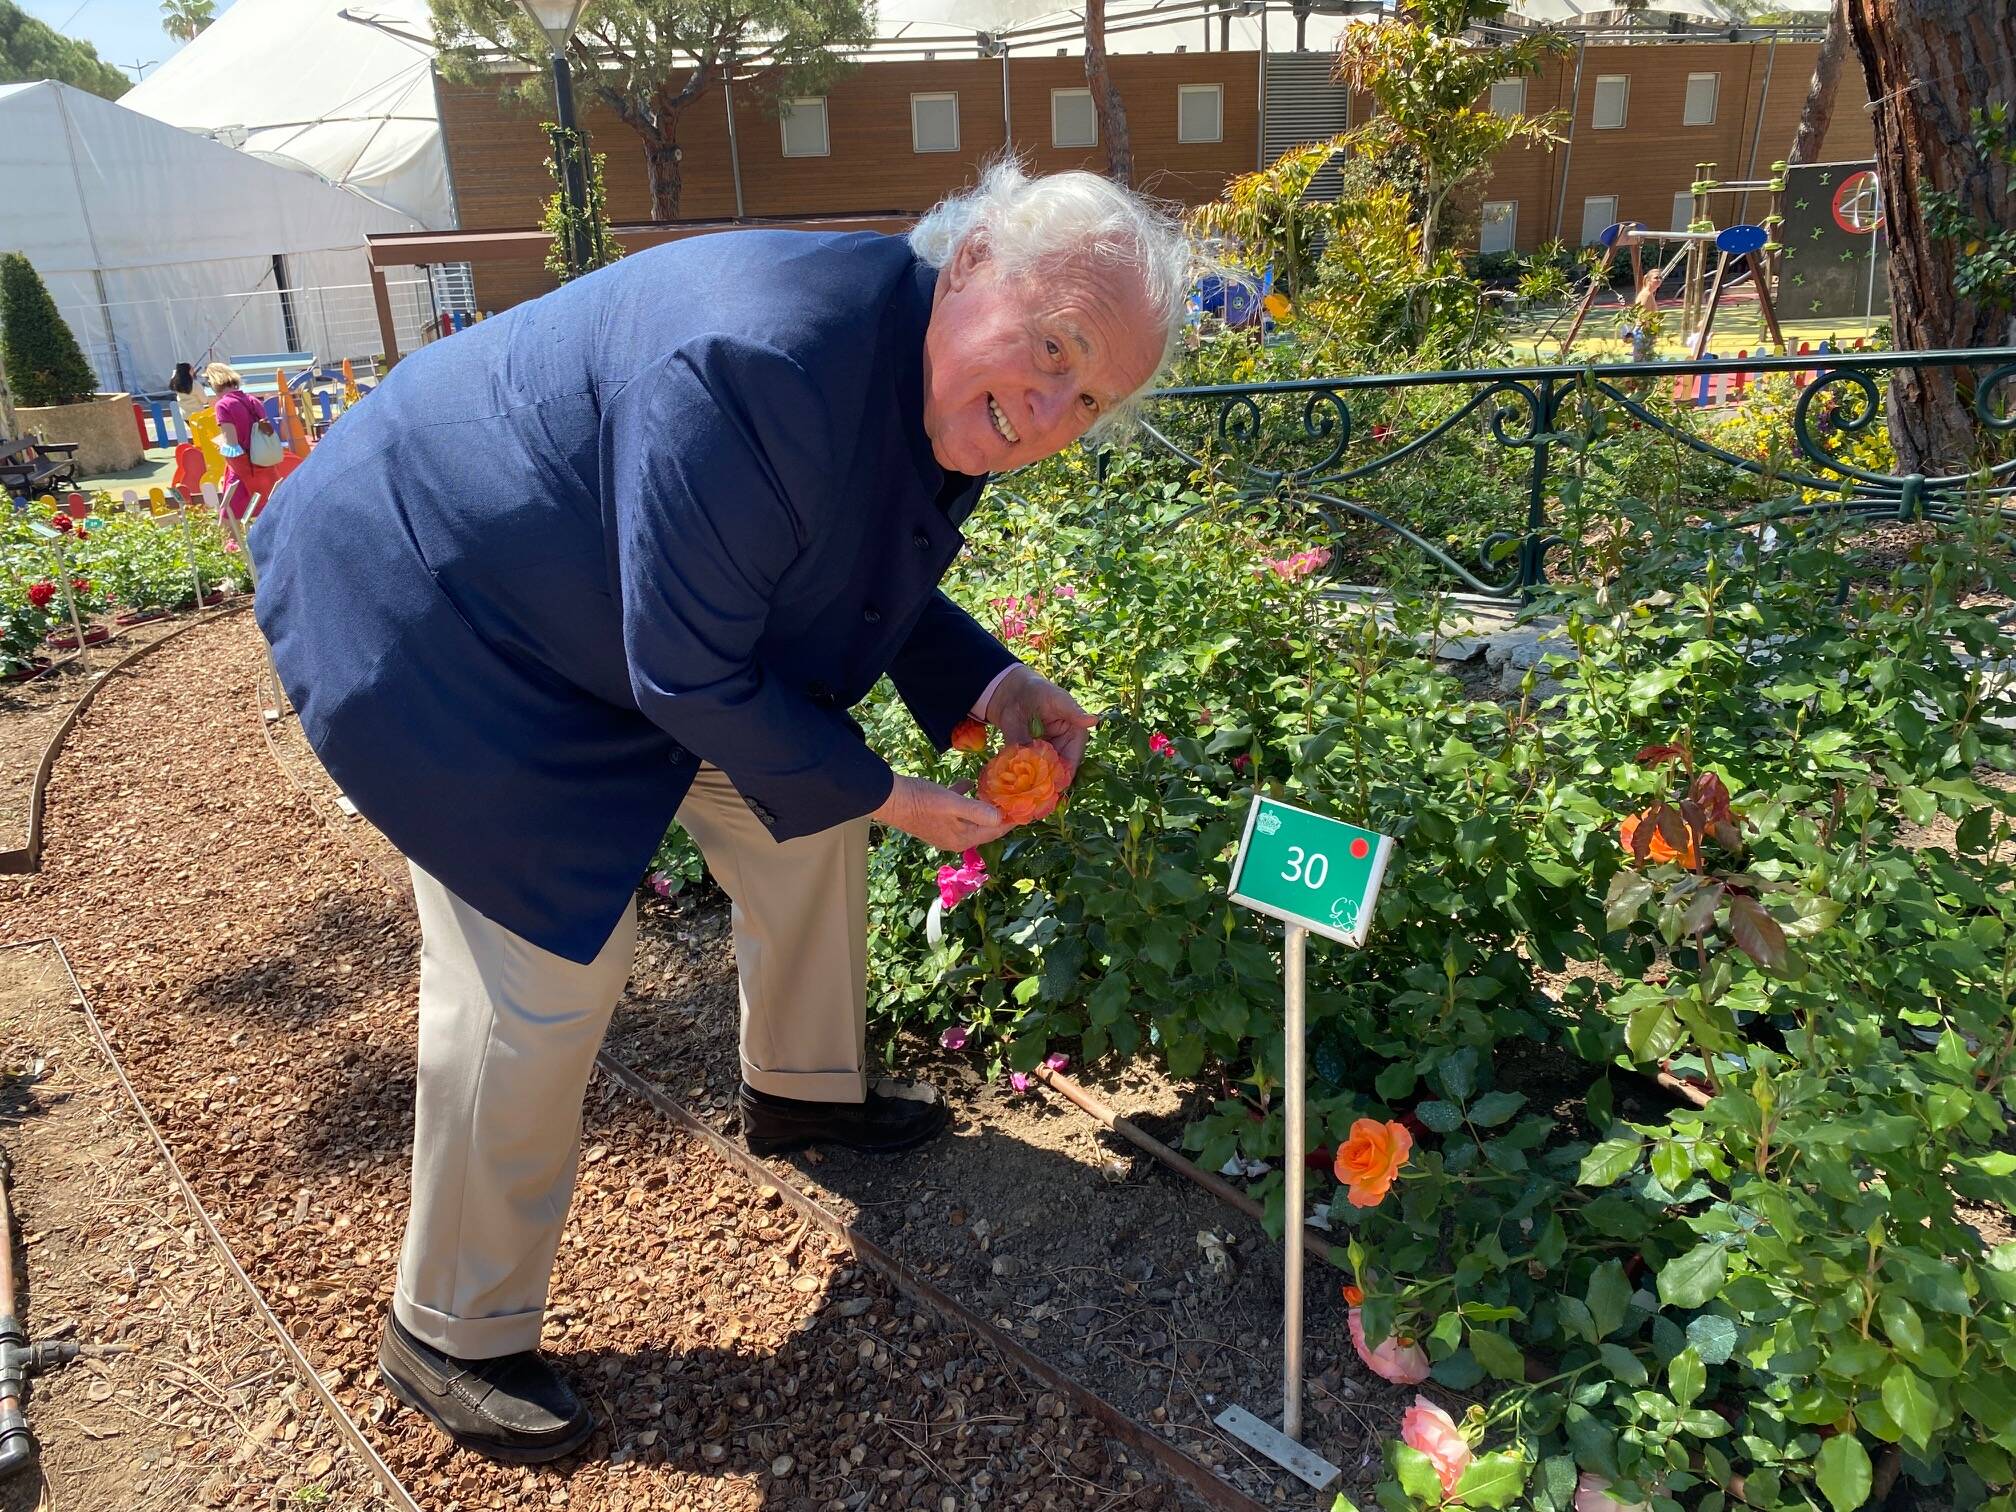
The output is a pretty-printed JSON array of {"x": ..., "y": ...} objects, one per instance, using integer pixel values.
[{"x": 1320, "y": 874}]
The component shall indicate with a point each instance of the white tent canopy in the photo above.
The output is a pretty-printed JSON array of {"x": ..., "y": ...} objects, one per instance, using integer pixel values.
[
  {"x": 344, "y": 90},
  {"x": 160, "y": 247}
]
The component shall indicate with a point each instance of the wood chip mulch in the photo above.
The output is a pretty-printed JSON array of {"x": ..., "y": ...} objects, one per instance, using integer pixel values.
[{"x": 257, "y": 977}]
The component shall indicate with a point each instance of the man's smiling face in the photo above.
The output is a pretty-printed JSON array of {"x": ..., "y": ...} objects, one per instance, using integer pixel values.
[{"x": 1016, "y": 369}]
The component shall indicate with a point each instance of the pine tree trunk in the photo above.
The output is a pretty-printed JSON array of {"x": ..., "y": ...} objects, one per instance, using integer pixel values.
[
  {"x": 661, "y": 162},
  {"x": 1105, "y": 98},
  {"x": 1819, "y": 108},
  {"x": 1928, "y": 65}
]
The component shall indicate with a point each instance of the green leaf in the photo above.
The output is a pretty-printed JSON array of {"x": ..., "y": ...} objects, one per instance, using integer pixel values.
[
  {"x": 1492, "y": 1480},
  {"x": 1556, "y": 1491},
  {"x": 1494, "y": 1108},
  {"x": 1457, "y": 1072},
  {"x": 1609, "y": 1297},
  {"x": 1686, "y": 1377},
  {"x": 1654, "y": 1030},
  {"x": 1712, "y": 1337},
  {"x": 1630, "y": 890},
  {"x": 1396, "y": 1081},
  {"x": 1919, "y": 806},
  {"x": 1974, "y": 832},
  {"x": 1910, "y": 1403},
  {"x": 1844, "y": 1472},
  {"x": 1418, "y": 1476},
  {"x": 1689, "y": 1280},
  {"x": 1184, "y": 1052},
  {"x": 1901, "y": 1322},
  {"x": 1623, "y": 1364},
  {"x": 1610, "y": 1161},
  {"x": 1497, "y": 1354},
  {"x": 1343, "y": 1504},
  {"x": 1946, "y": 1105},
  {"x": 1442, "y": 1117}
]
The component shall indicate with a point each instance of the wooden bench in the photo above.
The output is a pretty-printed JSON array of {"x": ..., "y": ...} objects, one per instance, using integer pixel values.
[{"x": 27, "y": 465}]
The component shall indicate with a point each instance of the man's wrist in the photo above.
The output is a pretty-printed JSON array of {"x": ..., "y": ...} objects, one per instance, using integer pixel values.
[{"x": 986, "y": 699}]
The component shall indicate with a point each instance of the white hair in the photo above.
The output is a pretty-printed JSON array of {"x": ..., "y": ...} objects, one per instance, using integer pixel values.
[{"x": 1030, "y": 224}]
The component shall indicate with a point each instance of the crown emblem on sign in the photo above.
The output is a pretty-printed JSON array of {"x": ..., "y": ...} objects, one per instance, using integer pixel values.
[{"x": 1269, "y": 823}]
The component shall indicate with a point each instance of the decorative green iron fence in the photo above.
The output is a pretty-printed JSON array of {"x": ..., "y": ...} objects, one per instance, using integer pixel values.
[{"x": 1525, "y": 408}]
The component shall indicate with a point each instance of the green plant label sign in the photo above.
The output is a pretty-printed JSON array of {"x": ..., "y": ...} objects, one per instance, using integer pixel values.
[{"x": 1309, "y": 870}]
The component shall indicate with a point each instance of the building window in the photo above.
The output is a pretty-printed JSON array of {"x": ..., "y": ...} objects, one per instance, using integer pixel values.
[
  {"x": 1612, "y": 92},
  {"x": 1599, "y": 213},
  {"x": 1500, "y": 226},
  {"x": 1701, "y": 92},
  {"x": 804, "y": 123},
  {"x": 1508, "y": 97},
  {"x": 1683, "y": 209},
  {"x": 934, "y": 122},
  {"x": 1200, "y": 113},
  {"x": 1073, "y": 122}
]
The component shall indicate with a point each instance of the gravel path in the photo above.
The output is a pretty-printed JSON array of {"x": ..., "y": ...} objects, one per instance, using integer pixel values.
[{"x": 257, "y": 976}]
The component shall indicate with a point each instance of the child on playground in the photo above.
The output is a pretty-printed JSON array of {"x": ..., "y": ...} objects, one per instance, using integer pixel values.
[{"x": 240, "y": 421}]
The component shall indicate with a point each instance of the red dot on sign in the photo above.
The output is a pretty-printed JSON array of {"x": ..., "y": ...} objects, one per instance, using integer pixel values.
[{"x": 1359, "y": 850}]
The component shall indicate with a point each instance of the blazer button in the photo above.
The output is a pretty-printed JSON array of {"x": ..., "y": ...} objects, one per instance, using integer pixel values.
[
  {"x": 921, "y": 541},
  {"x": 872, "y": 615}
]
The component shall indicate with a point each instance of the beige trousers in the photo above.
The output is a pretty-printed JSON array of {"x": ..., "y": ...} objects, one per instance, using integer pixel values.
[{"x": 508, "y": 1033}]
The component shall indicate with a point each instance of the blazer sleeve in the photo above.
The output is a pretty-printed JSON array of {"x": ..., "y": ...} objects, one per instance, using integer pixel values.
[
  {"x": 709, "y": 457},
  {"x": 944, "y": 665}
]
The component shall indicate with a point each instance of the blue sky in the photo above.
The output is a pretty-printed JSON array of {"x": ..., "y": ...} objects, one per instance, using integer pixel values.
[{"x": 123, "y": 31}]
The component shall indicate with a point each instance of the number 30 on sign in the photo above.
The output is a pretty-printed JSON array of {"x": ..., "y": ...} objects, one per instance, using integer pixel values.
[{"x": 1321, "y": 873}]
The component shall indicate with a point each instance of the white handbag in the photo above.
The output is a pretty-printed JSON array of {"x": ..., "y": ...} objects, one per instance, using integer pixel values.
[{"x": 265, "y": 450}]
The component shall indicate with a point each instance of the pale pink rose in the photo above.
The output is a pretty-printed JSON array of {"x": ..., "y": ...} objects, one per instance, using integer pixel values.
[
  {"x": 954, "y": 1037},
  {"x": 1592, "y": 1494},
  {"x": 1064, "y": 591},
  {"x": 1426, "y": 1427},
  {"x": 1402, "y": 1364}
]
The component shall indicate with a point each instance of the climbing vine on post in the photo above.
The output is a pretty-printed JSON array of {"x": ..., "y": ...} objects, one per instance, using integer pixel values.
[{"x": 582, "y": 241}]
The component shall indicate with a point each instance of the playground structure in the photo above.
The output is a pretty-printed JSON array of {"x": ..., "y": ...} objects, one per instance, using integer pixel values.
[{"x": 1700, "y": 246}]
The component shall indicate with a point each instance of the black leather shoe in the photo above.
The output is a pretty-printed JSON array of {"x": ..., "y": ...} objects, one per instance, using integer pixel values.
[
  {"x": 514, "y": 1407},
  {"x": 879, "y": 1125}
]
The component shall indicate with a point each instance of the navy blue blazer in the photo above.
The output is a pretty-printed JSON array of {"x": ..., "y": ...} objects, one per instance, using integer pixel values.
[{"x": 682, "y": 509}]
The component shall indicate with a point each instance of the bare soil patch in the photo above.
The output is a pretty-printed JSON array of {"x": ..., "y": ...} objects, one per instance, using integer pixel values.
[{"x": 199, "y": 1408}]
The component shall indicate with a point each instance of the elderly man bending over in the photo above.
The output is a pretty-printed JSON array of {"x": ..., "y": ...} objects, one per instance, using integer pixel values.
[{"x": 631, "y": 551}]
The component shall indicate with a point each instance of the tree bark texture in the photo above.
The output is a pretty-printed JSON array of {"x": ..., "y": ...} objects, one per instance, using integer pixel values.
[
  {"x": 1818, "y": 112},
  {"x": 1929, "y": 64},
  {"x": 1106, "y": 101}
]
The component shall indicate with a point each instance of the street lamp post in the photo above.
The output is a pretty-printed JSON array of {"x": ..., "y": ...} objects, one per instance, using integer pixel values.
[{"x": 557, "y": 20}]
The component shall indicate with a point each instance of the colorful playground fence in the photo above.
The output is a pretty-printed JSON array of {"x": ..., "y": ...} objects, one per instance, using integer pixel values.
[{"x": 1713, "y": 390}]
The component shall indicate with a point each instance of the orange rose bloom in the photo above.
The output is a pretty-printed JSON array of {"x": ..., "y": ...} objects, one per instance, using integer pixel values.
[
  {"x": 1353, "y": 1295},
  {"x": 1371, "y": 1158},
  {"x": 969, "y": 735},
  {"x": 1024, "y": 781},
  {"x": 1659, "y": 850}
]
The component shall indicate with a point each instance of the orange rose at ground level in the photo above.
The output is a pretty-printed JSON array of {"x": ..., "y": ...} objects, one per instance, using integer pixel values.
[
  {"x": 1368, "y": 1161},
  {"x": 1024, "y": 782}
]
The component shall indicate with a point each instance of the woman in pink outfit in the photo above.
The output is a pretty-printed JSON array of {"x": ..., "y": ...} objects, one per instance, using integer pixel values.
[{"x": 238, "y": 414}]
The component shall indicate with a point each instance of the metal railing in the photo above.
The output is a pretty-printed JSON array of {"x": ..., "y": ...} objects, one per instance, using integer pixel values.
[{"x": 1529, "y": 410}]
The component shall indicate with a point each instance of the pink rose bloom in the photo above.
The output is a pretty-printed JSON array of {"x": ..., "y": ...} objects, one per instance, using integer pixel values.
[
  {"x": 958, "y": 883},
  {"x": 661, "y": 884},
  {"x": 1021, "y": 1081},
  {"x": 1161, "y": 744},
  {"x": 1402, "y": 1364},
  {"x": 954, "y": 1037},
  {"x": 1064, "y": 591},
  {"x": 1300, "y": 565},
  {"x": 1240, "y": 763},
  {"x": 1426, "y": 1427},
  {"x": 1013, "y": 625},
  {"x": 1592, "y": 1494},
  {"x": 1058, "y": 1063}
]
